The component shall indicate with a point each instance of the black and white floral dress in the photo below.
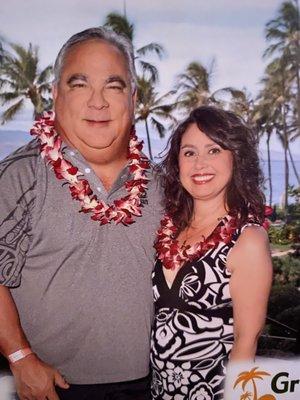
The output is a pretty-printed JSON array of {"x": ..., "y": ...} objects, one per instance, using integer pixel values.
[{"x": 193, "y": 328}]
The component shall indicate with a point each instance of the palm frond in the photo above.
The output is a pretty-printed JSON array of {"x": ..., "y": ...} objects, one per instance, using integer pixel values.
[
  {"x": 158, "y": 126},
  {"x": 149, "y": 70},
  {"x": 45, "y": 75},
  {"x": 119, "y": 24},
  {"x": 9, "y": 113},
  {"x": 153, "y": 47},
  {"x": 7, "y": 97}
]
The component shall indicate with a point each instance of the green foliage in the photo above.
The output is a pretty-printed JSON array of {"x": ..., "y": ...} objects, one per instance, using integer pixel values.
[
  {"x": 153, "y": 108},
  {"x": 286, "y": 270},
  {"x": 278, "y": 235},
  {"x": 120, "y": 24},
  {"x": 282, "y": 298},
  {"x": 194, "y": 90},
  {"x": 290, "y": 231},
  {"x": 21, "y": 79},
  {"x": 290, "y": 317}
]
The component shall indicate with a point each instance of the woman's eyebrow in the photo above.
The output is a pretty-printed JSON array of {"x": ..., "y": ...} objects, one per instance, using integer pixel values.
[{"x": 188, "y": 145}]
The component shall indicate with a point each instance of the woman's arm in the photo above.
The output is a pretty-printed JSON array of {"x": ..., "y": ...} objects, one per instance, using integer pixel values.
[{"x": 251, "y": 266}]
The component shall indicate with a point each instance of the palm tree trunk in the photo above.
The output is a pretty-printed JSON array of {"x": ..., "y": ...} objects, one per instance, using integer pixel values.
[
  {"x": 148, "y": 140},
  {"x": 254, "y": 389},
  {"x": 293, "y": 165},
  {"x": 269, "y": 170},
  {"x": 297, "y": 61},
  {"x": 285, "y": 140},
  {"x": 286, "y": 163}
]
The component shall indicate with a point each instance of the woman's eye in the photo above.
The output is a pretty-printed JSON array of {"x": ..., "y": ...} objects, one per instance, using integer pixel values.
[
  {"x": 214, "y": 150},
  {"x": 188, "y": 153}
]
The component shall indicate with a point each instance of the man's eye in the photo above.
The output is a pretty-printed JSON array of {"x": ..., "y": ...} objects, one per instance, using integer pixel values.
[
  {"x": 214, "y": 150},
  {"x": 117, "y": 88},
  {"x": 78, "y": 85}
]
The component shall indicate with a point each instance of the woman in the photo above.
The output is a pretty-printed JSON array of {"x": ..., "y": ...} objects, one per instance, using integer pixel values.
[{"x": 212, "y": 276}]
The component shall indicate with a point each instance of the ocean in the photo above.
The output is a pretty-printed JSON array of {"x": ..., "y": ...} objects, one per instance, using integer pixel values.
[{"x": 277, "y": 168}]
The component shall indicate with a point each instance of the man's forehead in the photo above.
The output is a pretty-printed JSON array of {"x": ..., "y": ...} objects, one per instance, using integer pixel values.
[
  {"x": 95, "y": 46},
  {"x": 82, "y": 56}
]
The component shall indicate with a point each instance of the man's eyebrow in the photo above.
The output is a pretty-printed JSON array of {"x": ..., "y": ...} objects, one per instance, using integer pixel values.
[
  {"x": 76, "y": 77},
  {"x": 116, "y": 78}
]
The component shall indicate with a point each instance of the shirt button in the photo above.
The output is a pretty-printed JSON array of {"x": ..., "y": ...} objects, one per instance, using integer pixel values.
[
  {"x": 99, "y": 189},
  {"x": 72, "y": 153},
  {"x": 87, "y": 170}
]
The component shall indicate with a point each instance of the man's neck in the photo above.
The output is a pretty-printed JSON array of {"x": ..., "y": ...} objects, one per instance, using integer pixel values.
[
  {"x": 108, "y": 172},
  {"x": 107, "y": 163}
]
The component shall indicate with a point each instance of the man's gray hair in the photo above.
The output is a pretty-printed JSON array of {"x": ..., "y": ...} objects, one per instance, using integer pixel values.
[{"x": 109, "y": 36}]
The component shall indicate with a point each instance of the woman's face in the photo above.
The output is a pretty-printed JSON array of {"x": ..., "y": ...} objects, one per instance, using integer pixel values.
[{"x": 205, "y": 168}]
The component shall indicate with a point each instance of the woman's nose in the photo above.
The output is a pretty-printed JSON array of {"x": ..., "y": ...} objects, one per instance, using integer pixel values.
[{"x": 200, "y": 161}]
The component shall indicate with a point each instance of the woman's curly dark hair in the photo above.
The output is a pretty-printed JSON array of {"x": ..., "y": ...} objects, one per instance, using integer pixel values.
[{"x": 243, "y": 194}]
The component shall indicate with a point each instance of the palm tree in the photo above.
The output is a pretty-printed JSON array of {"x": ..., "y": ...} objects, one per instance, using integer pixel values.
[
  {"x": 246, "y": 396},
  {"x": 121, "y": 25},
  {"x": 250, "y": 376},
  {"x": 243, "y": 104},
  {"x": 194, "y": 87},
  {"x": 152, "y": 108},
  {"x": 264, "y": 124},
  {"x": 21, "y": 79},
  {"x": 283, "y": 34}
]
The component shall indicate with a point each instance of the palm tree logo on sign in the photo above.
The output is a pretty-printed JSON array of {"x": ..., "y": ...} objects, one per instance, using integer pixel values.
[{"x": 248, "y": 378}]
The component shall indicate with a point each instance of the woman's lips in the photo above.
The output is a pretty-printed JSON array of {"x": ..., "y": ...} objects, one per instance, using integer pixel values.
[{"x": 201, "y": 179}]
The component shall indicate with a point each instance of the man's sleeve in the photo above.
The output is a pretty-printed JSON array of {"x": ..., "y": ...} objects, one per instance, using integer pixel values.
[{"x": 17, "y": 195}]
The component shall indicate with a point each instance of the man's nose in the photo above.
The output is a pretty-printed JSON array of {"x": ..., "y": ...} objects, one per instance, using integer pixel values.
[{"x": 97, "y": 100}]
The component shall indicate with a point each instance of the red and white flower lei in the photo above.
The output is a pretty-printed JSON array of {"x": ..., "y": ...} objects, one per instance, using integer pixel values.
[
  {"x": 172, "y": 255},
  {"x": 122, "y": 210}
]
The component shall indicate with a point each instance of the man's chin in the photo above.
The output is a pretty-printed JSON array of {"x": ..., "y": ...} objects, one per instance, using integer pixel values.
[{"x": 99, "y": 145}]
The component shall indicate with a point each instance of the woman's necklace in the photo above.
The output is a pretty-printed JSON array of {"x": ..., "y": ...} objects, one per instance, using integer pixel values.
[
  {"x": 193, "y": 230},
  {"x": 172, "y": 255},
  {"x": 120, "y": 211}
]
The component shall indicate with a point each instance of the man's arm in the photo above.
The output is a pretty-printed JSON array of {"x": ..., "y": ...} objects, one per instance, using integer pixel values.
[{"x": 34, "y": 379}]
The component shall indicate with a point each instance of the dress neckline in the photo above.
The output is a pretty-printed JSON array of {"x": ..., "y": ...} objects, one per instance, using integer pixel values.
[{"x": 167, "y": 283}]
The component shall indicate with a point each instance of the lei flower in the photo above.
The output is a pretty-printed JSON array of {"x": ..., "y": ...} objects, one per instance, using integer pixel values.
[
  {"x": 120, "y": 211},
  {"x": 172, "y": 255}
]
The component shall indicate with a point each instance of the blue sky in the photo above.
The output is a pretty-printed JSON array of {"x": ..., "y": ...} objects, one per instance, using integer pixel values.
[{"x": 229, "y": 31}]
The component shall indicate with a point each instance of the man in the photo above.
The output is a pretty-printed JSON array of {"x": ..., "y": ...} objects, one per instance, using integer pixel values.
[{"x": 75, "y": 299}]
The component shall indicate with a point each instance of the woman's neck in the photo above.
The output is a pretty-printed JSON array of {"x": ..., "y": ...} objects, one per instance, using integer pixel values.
[{"x": 208, "y": 210}]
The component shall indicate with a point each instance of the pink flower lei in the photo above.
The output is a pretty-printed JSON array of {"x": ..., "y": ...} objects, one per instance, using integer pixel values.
[
  {"x": 122, "y": 210},
  {"x": 172, "y": 255}
]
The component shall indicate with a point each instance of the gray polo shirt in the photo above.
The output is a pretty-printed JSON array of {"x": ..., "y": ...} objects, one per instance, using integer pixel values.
[{"x": 83, "y": 291}]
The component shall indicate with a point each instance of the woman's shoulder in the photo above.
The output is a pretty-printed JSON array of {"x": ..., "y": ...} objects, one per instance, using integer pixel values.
[
  {"x": 251, "y": 246},
  {"x": 252, "y": 234}
]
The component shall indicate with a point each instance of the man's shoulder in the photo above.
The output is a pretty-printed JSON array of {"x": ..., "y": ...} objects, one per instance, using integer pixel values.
[{"x": 21, "y": 160}]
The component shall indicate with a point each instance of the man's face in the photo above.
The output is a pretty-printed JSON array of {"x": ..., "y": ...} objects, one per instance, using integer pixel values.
[{"x": 93, "y": 99}]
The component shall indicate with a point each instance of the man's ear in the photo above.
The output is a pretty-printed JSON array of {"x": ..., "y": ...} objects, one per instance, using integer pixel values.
[{"x": 134, "y": 97}]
